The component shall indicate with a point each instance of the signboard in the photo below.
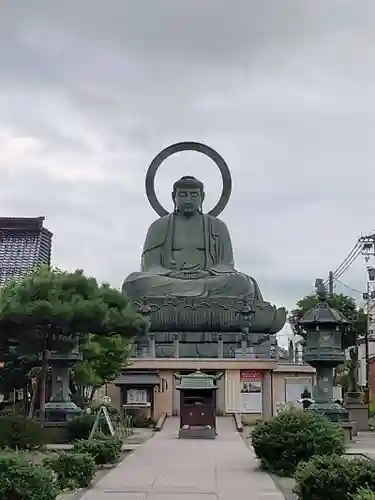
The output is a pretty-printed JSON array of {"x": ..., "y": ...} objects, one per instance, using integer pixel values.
[
  {"x": 137, "y": 397},
  {"x": 251, "y": 391}
]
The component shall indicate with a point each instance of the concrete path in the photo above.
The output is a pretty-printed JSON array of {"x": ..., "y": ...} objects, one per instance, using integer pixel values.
[
  {"x": 363, "y": 444},
  {"x": 168, "y": 468}
]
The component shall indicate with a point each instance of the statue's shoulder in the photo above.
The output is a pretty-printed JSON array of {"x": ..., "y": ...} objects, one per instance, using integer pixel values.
[
  {"x": 217, "y": 223},
  {"x": 157, "y": 233},
  {"x": 160, "y": 223}
]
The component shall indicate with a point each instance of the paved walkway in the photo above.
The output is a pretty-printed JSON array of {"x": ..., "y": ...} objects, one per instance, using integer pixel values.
[
  {"x": 363, "y": 444},
  {"x": 168, "y": 468}
]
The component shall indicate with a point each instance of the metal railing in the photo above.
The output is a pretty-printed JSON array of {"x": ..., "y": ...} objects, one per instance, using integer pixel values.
[{"x": 124, "y": 425}]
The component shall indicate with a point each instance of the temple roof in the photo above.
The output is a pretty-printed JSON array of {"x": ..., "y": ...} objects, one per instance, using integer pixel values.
[
  {"x": 197, "y": 381},
  {"x": 137, "y": 378},
  {"x": 24, "y": 244}
]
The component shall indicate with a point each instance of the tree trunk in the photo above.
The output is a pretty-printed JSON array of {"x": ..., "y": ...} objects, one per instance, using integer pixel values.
[
  {"x": 34, "y": 395},
  {"x": 43, "y": 380},
  {"x": 92, "y": 394}
]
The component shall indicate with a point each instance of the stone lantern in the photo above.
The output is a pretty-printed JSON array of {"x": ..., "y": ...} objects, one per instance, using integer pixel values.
[{"x": 324, "y": 328}]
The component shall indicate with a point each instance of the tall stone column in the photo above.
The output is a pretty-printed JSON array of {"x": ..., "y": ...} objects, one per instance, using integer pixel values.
[
  {"x": 220, "y": 346},
  {"x": 176, "y": 345},
  {"x": 324, "y": 384},
  {"x": 267, "y": 395},
  {"x": 151, "y": 345}
]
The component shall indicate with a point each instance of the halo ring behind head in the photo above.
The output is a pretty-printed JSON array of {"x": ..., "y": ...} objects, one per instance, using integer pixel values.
[{"x": 188, "y": 146}]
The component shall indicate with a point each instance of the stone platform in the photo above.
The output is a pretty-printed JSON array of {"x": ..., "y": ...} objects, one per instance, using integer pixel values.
[
  {"x": 167, "y": 468},
  {"x": 197, "y": 433}
]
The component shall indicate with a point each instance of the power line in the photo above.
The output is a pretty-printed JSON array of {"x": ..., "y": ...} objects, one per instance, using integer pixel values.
[
  {"x": 347, "y": 262},
  {"x": 348, "y": 287},
  {"x": 363, "y": 246},
  {"x": 351, "y": 261}
]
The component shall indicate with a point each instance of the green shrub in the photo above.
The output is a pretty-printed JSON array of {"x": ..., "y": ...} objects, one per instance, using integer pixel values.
[
  {"x": 294, "y": 436},
  {"x": 364, "y": 494},
  {"x": 140, "y": 421},
  {"x": 20, "y": 432},
  {"x": 72, "y": 470},
  {"x": 80, "y": 427},
  {"x": 21, "y": 480},
  {"x": 333, "y": 477},
  {"x": 103, "y": 451}
]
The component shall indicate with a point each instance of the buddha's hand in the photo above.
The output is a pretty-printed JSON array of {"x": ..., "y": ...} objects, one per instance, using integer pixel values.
[
  {"x": 189, "y": 275},
  {"x": 220, "y": 271}
]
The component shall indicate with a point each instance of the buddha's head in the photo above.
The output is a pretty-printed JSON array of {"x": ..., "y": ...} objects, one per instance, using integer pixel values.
[{"x": 188, "y": 195}]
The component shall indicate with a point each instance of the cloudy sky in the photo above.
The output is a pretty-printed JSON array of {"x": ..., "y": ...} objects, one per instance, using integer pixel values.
[{"x": 92, "y": 90}]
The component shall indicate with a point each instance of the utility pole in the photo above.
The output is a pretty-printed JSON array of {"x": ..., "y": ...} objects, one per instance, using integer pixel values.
[
  {"x": 368, "y": 251},
  {"x": 330, "y": 283}
]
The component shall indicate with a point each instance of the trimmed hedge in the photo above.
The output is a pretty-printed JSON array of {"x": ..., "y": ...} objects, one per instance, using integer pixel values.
[
  {"x": 103, "y": 451},
  {"x": 334, "y": 478},
  {"x": 21, "y": 480},
  {"x": 72, "y": 470},
  {"x": 294, "y": 436},
  {"x": 18, "y": 432},
  {"x": 80, "y": 427}
]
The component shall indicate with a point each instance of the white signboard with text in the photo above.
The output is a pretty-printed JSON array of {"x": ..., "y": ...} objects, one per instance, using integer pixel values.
[
  {"x": 251, "y": 391},
  {"x": 136, "y": 397}
]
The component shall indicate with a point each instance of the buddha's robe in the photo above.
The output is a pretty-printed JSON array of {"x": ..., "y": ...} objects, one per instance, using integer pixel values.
[{"x": 199, "y": 250}]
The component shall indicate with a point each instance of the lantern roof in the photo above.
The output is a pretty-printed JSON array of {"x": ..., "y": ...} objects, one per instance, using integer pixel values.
[
  {"x": 322, "y": 313},
  {"x": 197, "y": 381}
]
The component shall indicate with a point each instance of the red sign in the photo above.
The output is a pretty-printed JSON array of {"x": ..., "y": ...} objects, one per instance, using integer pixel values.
[
  {"x": 251, "y": 375},
  {"x": 2, "y": 364}
]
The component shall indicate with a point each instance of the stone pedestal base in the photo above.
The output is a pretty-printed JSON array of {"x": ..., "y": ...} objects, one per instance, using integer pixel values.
[
  {"x": 62, "y": 411},
  {"x": 333, "y": 411},
  {"x": 353, "y": 397},
  {"x": 197, "y": 433},
  {"x": 348, "y": 428},
  {"x": 358, "y": 412},
  {"x": 56, "y": 432}
]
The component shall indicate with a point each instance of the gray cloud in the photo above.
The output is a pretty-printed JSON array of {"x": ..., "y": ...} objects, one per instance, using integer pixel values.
[{"x": 90, "y": 91}]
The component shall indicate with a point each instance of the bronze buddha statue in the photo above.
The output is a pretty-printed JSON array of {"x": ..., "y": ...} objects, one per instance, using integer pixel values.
[
  {"x": 187, "y": 267},
  {"x": 189, "y": 254}
]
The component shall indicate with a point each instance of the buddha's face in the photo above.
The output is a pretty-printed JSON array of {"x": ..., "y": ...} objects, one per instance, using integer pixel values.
[{"x": 188, "y": 200}]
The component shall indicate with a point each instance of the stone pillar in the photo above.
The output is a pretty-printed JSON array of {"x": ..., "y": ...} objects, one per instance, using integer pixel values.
[
  {"x": 176, "y": 342},
  {"x": 220, "y": 396},
  {"x": 277, "y": 350},
  {"x": 60, "y": 407},
  {"x": 151, "y": 345},
  {"x": 220, "y": 346},
  {"x": 176, "y": 396},
  {"x": 324, "y": 385},
  {"x": 244, "y": 344},
  {"x": 267, "y": 395},
  {"x": 60, "y": 381}
]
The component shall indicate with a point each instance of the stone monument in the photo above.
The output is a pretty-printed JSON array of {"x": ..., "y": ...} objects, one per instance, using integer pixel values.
[
  {"x": 324, "y": 328},
  {"x": 188, "y": 282},
  {"x": 353, "y": 398},
  {"x": 60, "y": 407}
]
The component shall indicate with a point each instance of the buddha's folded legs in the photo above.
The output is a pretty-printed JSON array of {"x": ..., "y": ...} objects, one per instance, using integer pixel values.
[{"x": 139, "y": 285}]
